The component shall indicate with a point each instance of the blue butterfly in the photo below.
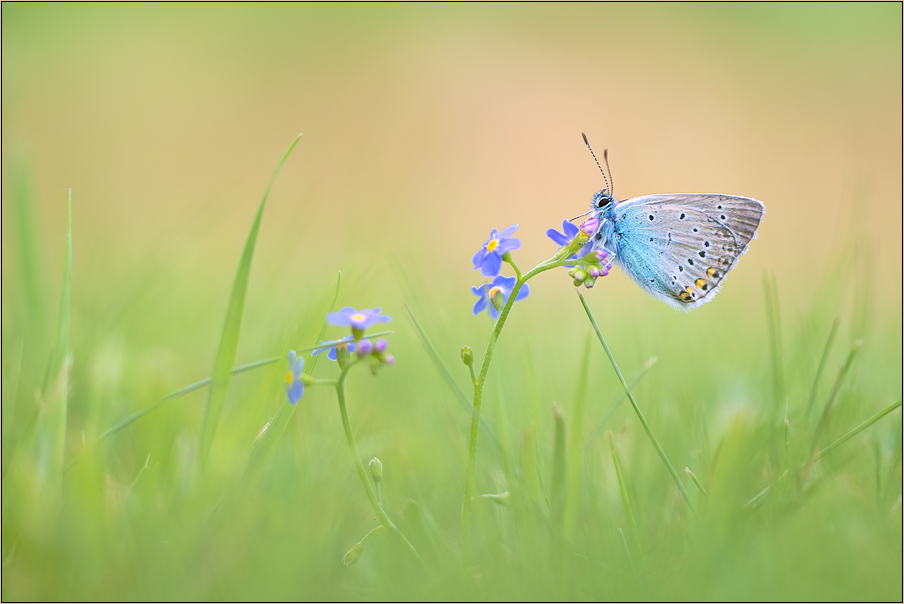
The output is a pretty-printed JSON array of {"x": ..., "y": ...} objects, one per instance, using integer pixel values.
[{"x": 678, "y": 247}]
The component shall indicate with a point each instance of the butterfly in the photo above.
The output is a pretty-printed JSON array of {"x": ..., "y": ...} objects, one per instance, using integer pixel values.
[{"x": 677, "y": 247}]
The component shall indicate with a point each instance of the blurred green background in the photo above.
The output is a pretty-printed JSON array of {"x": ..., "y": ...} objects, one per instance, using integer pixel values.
[{"x": 424, "y": 127}]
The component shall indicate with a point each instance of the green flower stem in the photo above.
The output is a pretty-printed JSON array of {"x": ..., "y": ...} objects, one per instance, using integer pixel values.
[
  {"x": 470, "y": 491},
  {"x": 643, "y": 420},
  {"x": 372, "y": 532},
  {"x": 359, "y": 465}
]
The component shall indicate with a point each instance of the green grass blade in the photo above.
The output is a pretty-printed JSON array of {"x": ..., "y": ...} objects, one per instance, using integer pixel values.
[
  {"x": 557, "y": 486},
  {"x": 181, "y": 392},
  {"x": 62, "y": 343},
  {"x": 695, "y": 479},
  {"x": 28, "y": 245},
  {"x": 756, "y": 499},
  {"x": 643, "y": 420},
  {"x": 53, "y": 401},
  {"x": 229, "y": 339},
  {"x": 444, "y": 371},
  {"x": 830, "y": 406},
  {"x": 775, "y": 335},
  {"x": 822, "y": 364},
  {"x": 266, "y": 443},
  {"x": 866, "y": 424},
  {"x": 575, "y": 444},
  {"x": 626, "y": 501},
  {"x": 613, "y": 406}
]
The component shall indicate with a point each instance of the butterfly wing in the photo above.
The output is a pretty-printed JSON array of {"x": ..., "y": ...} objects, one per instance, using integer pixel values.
[{"x": 679, "y": 248}]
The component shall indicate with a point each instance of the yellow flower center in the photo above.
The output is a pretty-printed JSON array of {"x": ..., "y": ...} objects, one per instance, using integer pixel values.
[
  {"x": 358, "y": 317},
  {"x": 290, "y": 377},
  {"x": 492, "y": 245},
  {"x": 493, "y": 291}
]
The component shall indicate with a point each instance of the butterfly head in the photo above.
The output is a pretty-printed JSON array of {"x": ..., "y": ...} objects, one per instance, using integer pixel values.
[{"x": 601, "y": 200}]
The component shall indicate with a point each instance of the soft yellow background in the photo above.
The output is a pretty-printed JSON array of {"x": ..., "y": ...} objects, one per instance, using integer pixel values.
[{"x": 425, "y": 126}]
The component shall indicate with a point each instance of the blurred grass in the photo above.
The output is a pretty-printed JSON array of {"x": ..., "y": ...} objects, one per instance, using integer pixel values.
[{"x": 429, "y": 126}]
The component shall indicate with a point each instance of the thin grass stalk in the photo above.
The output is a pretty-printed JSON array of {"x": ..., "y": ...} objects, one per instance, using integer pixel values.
[
  {"x": 643, "y": 420},
  {"x": 822, "y": 363}
]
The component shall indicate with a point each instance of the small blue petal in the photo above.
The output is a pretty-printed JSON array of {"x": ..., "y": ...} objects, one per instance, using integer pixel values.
[
  {"x": 480, "y": 305},
  {"x": 491, "y": 265},
  {"x": 295, "y": 391},
  {"x": 479, "y": 291},
  {"x": 478, "y": 258},
  {"x": 523, "y": 292},
  {"x": 557, "y": 237},
  {"x": 509, "y": 230},
  {"x": 506, "y": 283},
  {"x": 507, "y": 245},
  {"x": 332, "y": 354}
]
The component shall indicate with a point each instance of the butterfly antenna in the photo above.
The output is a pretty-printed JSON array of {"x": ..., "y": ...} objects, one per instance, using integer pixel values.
[
  {"x": 611, "y": 180},
  {"x": 581, "y": 216},
  {"x": 586, "y": 142}
]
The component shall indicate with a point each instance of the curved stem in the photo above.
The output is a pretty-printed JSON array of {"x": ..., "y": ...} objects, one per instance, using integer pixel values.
[
  {"x": 359, "y": 465},
  {"x": 554, "y": 262}
]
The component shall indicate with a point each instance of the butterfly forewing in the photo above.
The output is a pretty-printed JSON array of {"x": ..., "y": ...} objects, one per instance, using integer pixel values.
[{"x": 680, "y": 247}]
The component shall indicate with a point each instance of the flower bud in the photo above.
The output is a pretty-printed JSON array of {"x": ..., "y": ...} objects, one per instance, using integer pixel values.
[
  {"x": 364, "y": 347},
  {"x": 467, "y": 355},
  {"x": 504, "y": 498},
  {"x": 498, "y": 300},
  {"x": 353, "y": 555},
  {"x": 376, "y": 469},
  {"x": 601, "y": 255},
  {"x": 388, "y": 359},
  {"x": 590, "y": 226},
  {"x": 381, "y": 345},
  {"x": 342, "y": 354},
  {"x": 593, "y": 271}
]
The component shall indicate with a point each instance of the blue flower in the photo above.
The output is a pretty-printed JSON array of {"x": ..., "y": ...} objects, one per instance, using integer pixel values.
[
  {"x": 567, "y": 236},
  {"x": 294, "y": 384},
  {"x": 358, "y": 319},
  {"x": 489, "y": 259},
  {"x": 503, "y": 285},
  {"x": 331, "y": 345}
]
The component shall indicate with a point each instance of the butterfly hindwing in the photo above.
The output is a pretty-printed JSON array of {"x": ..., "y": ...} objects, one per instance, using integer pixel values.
[{"x": 680, "y": 252}]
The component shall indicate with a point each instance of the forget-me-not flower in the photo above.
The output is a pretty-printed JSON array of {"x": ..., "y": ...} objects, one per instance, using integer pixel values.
[
  {"x": 569, "y": 232},
  {"x": 331, "y": 346},
  {"x": 489, "y": 259},
  {"x": 357, "y": 319},
  {"x": 294, "y": 383},
  {"x": 501, "y": 285}
]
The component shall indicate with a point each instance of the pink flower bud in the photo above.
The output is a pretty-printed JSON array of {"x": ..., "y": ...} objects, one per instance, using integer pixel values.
[{"x": 590, "y": 226}]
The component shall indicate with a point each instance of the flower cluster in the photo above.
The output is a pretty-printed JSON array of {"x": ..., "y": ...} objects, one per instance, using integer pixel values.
[
  {"x": 493, "y": 296},
  {"x": 341, "y": 350},
  {"x": 593, "y": 266},
  {"x": 589, "y": 265},
  {"x": 359, "y": 320}
]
